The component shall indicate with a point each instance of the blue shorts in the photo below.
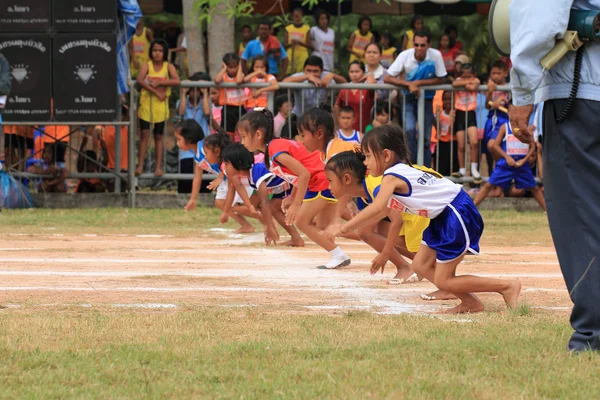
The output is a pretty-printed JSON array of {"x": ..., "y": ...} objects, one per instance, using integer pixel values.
[
  {"x": 456, "y": 230},
  {"x": 282, "y": 195},
  {"x": 360, "y": 204},
  {"x": 503, "y": 176},
  {"x": 491, "y": 130},
  {"x": 323, "y": 194}
]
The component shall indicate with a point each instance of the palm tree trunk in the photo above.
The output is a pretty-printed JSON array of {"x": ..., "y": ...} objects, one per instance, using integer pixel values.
[
  {"x": 194, "y": 37},
  {"x": 221, "y": 36}
]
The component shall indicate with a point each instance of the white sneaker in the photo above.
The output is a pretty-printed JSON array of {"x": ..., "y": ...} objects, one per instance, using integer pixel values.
[{"x": 337, "y": 262}]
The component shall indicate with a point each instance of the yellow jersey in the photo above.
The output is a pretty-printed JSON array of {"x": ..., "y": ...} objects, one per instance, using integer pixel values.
[
  {"x": 336, "y": 146},
  {"x": 360, "y": 44},
  {"x": 387, "y": 57},
  {"x": 141, "y": 47},
  {"x": 152, "y": 109},
  {"x": 297, "y": 54},
  {"x": 410, "y": 34}
]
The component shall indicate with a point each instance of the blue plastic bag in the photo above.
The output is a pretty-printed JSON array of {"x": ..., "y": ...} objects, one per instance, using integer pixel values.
[{"x": 13, "y": 194}]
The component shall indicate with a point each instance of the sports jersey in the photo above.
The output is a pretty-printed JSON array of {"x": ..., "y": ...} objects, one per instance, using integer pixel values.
[
  {"x": 203, "y": 163},
  {"x": 465, "y": 100},
  {"x": 311, "y": 161},
  {"x": 259, "y": 173},
  {"x": 428, "y": 194},
  {"x": 336, "y": 146},
  {"x": 513, "y": 146},
  {"x": 354, "y": 138}
]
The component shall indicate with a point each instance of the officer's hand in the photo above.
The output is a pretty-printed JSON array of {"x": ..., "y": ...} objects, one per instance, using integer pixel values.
[{"x": 519, "y": 119}]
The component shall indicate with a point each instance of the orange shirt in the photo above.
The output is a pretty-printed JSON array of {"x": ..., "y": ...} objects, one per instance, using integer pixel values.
[
  {"x": 56, "y": 132},
  {"x": 20, "y": 130},
  {"x": 263, "y": 99},
  {"x": 465, "y": 101},
  {"x": 231, "y": 96},
  {"x": 109, "y": 136}
]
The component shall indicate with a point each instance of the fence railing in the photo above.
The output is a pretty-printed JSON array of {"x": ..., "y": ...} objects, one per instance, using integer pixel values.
[{"x": 401, "y": 108}]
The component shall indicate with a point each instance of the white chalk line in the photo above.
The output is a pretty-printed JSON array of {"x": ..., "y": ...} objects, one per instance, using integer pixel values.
[{"x": 87, "y": 305}]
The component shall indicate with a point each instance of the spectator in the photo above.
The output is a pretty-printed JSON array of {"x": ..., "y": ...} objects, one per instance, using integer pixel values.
[
  {"x": 87, "y": 161},
  {"x": 282, "y": 108},
  {"x": 375, "y": 69},
  {"x": 449, "y": 54},
  {"x": 194, "y": 103},
  {"x": 313, "y": 73},
  {"x": 18, "y": 140},
  {"x": 257, "y": 97},
  {"x": 421, "y": 66},
  {"x": 233, "y": 100},
  {"x": 382, "y": 116},
  {"x": 171, "y": 35},
  {"x": 216, "y": 110},
  {"x": 388, "y": 50},
  {"x": 452, "y": 32},
  {"x": 296, "y": 42},
  {"x": 447, "y": 148},
  {"x": 417, "y": 24},
  {"x": 156, "y": 78},
  {"x": 290, "y": 129},
  {"x": 460, "y": 61},
  {"x": 346, "y": 120},
  {"x": 323, "y": 40},
  {"x": 466, "y": 119},
  {"x": 108, "y": 136},
  {"x": 268, "y": 45},
  {"x": 138, "y": 47},
  {"x": 359, "y": 39},
  {"x": 246, "y": 34},
  {"x": 495, "y": 101},
  {"x": 360, "y": 100},
  {"x": 53, "y": 164}
]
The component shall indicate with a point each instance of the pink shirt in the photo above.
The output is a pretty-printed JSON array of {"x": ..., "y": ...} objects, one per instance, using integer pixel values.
[{"x": 278, "y": 123}]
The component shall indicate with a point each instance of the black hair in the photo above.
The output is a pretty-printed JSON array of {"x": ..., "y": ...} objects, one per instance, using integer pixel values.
[
  {"x": 450, "y": 28},
  {"x": 363, "y": 19},
  {"x": 499, "y": 64},
  {"x": 387, "y": 137},
  {"x": 376, "y": 36},
  {"x": 375, "y": 44},
  {"x": 314, "y": 61},
  {"x": 265, "y": 22},
  {"x": 450, "y": 41},
  {"x": 200, "y": 76},
  {"x": 298, "y": 9},
  {"x": 238, "y": 156},
  {"x": 424, "y": 34},
  {"x": 318, "y": 117},
  {"x": 217, "y": 141},
  {"x": 58, "y": 150},
  {"x": 318, "y": 14},
  {"x": 262, "y": 58},
  {"x": 261, "y": 120},
  {"x": 191, "y": 131},
  {"x": 347, "y": 109},
  {"x": 387, "y": 35},
  {"x": 246, "y": 27},
  {"x": 280, "y": 101},
  {"x": 91, "y": 154},
  {"x": 382, "y": 108},
  {"x": 414, "y": 20},
  {"x": 290, "y": 126},
  {"x": 360, "y": 64},
  {"x": 467, "y": 67},
  {"x": 163, "y": 43},
  {"x": 231, "y": 58},
  {"x": 348, "y": 162}
]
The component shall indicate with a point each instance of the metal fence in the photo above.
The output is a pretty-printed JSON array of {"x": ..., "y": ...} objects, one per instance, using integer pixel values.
[{"x": 303, "y": 95}]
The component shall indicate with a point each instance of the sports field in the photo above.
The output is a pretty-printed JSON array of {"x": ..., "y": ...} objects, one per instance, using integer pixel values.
[{"x": 162, "y": 303}]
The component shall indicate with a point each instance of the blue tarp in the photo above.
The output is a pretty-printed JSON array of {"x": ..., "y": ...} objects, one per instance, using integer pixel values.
[
  {"x": 129, "y": 15},
  {"x": 13, "y": 194}
]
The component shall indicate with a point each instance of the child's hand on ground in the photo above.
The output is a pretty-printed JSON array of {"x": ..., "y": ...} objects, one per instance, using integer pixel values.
[
  {"x": 224, "y": 217},
  {"x": 290, "y": 215},
  {"x": 379, "y": 262},
  {"x": 214, "y": 184},
  {"x": 271, "y": 235},
  {"x": 190, "y": 206}
]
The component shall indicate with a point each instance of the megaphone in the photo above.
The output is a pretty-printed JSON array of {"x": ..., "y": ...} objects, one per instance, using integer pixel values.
[{"x": 584, "y": 26}]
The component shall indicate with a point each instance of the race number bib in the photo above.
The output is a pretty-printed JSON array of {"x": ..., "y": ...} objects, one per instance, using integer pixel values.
[
  {"x": 289, "y": 178},
  {"x": 284, "y": 187},
  {"x": 205, "y": 165}
]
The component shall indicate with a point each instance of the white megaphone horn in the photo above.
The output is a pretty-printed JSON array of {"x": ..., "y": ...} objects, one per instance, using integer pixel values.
[{"x": 584, "y": 26}]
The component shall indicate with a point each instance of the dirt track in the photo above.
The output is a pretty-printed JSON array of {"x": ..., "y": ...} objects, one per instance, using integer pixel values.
[{"x": 168, "y": 272}]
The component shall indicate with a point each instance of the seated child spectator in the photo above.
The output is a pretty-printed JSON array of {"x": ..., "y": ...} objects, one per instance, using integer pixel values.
[
  {"x": 257, "y": 97},
  {"x": 361, "y": 101},
  {"x": 283, "y": 108},
  {"x": 53, "y": 164},
  {"x": 447, "y": 147},
  {"x": 466, "y": 119},
  {"x": 87, "y": 161},
  {"x": 513, "y": 165},
  {"x": 382, "y": 116},
  {"x": 347, "y": 132},
  {"x": 495, "y": 101},
  {"x": 233, "y": 100}
]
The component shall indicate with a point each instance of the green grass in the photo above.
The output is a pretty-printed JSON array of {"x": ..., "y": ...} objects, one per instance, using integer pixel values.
[
  {"x": 505, "y": 228},
  {"x": 198, "y": 353}
]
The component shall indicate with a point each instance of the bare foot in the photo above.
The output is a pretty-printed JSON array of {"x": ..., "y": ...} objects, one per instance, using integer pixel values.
[
  {"x": 139, "y": 170},
  {"x": 512, "y": 294},
  {"x": 159, "y": 172},
  {"x": 404, "y": 276},
  {"x": 438, "y": 295},
  {"x": 464, "y": 308},
  {"x": 294, "y": 243},
  {"x": 244, "y": 229}
]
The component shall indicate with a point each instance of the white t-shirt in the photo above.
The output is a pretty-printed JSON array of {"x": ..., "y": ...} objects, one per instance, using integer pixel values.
[
  {"x": 324, "y": 44},
  {"x": 432, "y": 66},
  {"x": 184, "y": 42}
]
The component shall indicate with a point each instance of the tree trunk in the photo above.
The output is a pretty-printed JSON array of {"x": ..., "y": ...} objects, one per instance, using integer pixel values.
[
  {"x": 221, "y": 36},
  {"x": 194, "y": 37}
]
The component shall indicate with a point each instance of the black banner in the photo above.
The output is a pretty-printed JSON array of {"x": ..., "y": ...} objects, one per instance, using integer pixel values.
[
  {"x": 24, "y": 16},
  {"x": 85, "y": 15},
  {"x": 29, "y": 59},
  {"x": 85, "y": 77}
]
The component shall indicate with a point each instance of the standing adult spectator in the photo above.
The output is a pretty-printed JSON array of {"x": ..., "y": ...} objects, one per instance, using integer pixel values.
[
  {"x": 373, "y": 58},
  {"x": 323, "y": 40},
  {"x": 421, "y": 66},
  {"x": 417, "y": 24},
  {"x": 296, "y": 42},
  {"x": 359, "y": 39},
  {"x": 571, "y": 148},
  {"x": 267, "y": 45}
]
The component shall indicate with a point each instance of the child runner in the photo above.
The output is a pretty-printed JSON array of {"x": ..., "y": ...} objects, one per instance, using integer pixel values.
[
  {"x": 295, "y": 41},
  {"x": 347, "y": 132},
  {"x": 465, "y": 104},
  {"x": 494, "y": 101},
  {"x": 260, "y": 74},
  {"x": 232, "y": 99},
  {"x": 359, "y": 39},
  {"x": 513, "y": 164},
  {"x": 455, "y": 228},
  {"x": 360, "y": 100},
  {"x": 239, "y": 161},
  {"x": 189, "y": 136},
  {"x": 156, "y": 78},
  {"x": 305, "y": 171}
]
